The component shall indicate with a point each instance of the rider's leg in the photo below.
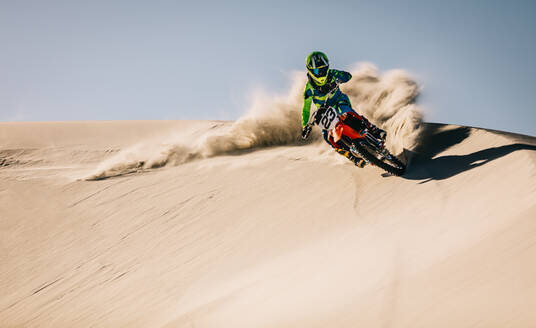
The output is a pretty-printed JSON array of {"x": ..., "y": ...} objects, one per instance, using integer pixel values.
[
  {"x": 342, "y": 149},
  {"x": 325, "y": 135}
]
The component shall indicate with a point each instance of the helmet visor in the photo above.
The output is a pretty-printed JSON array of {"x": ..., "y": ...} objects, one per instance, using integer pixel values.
[{"x": 320, "y": 72}]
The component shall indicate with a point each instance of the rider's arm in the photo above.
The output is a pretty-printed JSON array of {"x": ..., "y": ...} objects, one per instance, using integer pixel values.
[
  {"x": 307, "y": 100},
  {"x": 341, "y": 75}
]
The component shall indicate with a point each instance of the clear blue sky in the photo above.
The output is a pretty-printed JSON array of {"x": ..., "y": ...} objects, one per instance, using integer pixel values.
[{"x": 117, "y": 60}]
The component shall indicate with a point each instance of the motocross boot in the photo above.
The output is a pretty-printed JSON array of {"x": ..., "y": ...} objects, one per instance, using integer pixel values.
[{"x": 359, "y": 162}]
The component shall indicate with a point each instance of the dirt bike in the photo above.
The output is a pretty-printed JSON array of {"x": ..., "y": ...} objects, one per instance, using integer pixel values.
[{"x": 353, "y": 133}]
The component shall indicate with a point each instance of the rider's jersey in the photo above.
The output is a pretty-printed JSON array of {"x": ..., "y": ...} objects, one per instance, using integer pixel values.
[{"x": 316, "y": 94}]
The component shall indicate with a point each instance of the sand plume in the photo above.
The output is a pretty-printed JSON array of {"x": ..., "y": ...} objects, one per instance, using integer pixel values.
[{"x": 386, "y": 99}]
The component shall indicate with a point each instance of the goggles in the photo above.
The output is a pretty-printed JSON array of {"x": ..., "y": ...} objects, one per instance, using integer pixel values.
[{"x": 319, "y": 72}]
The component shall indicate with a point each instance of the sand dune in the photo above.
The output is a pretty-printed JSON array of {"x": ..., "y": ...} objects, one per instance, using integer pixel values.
[{"x": 287, "y": 235}]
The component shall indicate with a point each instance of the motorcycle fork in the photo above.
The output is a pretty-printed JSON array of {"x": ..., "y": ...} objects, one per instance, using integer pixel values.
[{"x": 352, "y": 148}]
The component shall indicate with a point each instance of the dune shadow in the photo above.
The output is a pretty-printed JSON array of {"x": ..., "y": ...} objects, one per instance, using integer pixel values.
[
  {"x": 445, "y": 167},
  {"x": 435, "y": 141}
]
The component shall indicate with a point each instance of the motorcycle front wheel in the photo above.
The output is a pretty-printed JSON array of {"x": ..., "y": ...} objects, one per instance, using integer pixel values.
[{"x": 386, "y": 161}]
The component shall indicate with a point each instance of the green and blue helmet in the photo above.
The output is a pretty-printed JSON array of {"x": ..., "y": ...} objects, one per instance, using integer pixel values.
[{"x": 317, "y": 67}]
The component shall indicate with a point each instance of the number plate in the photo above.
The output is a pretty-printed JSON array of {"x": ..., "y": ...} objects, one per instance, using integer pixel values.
[{"x": 329, "y": 119}]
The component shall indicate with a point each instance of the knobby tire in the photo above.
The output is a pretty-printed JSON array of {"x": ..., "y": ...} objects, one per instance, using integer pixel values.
[{"x": 366, "y": 154}]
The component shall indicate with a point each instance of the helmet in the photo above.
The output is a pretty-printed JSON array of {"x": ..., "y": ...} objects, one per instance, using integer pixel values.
[{"x": 317, "y": 67}]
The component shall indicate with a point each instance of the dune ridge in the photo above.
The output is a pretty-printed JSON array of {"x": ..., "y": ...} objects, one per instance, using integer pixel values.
[{"x": 245, "y": 225}]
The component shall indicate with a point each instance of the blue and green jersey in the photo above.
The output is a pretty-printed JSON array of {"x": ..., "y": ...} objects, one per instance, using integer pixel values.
[{"x": 317, "y": 94}]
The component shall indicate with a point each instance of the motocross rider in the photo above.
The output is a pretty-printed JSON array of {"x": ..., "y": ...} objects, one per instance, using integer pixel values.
[{"x": 321, "y": 80}]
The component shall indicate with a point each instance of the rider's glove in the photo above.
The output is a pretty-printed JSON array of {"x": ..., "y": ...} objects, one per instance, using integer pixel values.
[{"x": 305, "y": 132}]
